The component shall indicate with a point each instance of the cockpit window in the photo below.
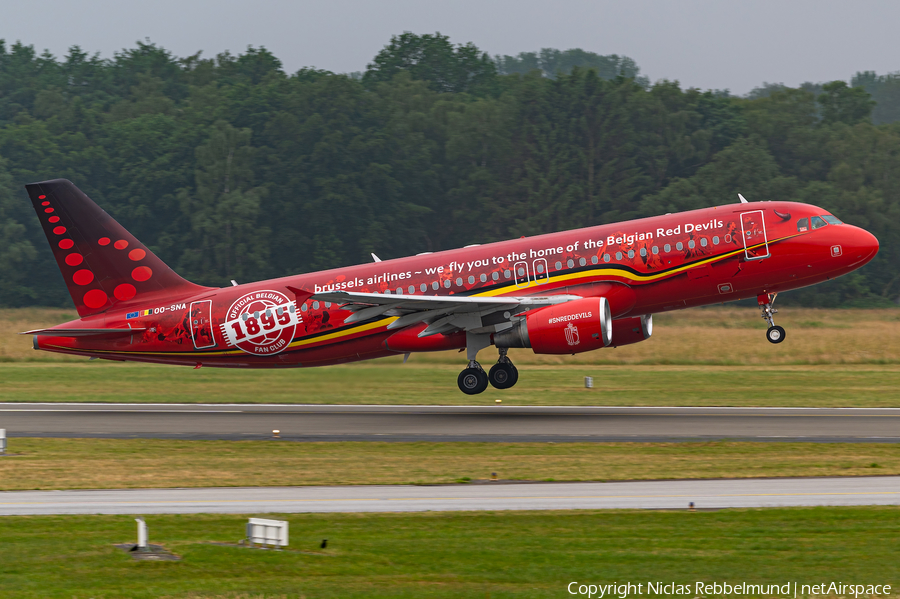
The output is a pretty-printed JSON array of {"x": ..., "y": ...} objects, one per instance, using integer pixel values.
[
  {"x": 803, "y": 225},
  {"x": 832, "y": 220},
  {"x": 817, "y": 222}
]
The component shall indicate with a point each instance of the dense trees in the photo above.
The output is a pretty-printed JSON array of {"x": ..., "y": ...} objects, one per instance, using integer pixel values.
[{"x": 231, "y": 168}]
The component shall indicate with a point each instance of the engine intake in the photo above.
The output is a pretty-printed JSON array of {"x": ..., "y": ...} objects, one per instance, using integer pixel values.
[{"x": 569, "y": 328}]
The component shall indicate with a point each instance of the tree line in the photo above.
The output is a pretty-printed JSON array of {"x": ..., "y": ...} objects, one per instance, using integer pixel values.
[{"x": 231, "y": 168}]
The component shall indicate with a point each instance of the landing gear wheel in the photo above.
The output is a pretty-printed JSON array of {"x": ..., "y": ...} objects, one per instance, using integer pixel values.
[
  {"x": 775, "y": 334},
  {"x": 472, "y": 381},
  {"x": 503, "y": 375}
]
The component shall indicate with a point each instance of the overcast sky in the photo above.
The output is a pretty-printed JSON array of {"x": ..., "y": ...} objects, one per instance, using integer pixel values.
[{"x": 710, "y": 44}]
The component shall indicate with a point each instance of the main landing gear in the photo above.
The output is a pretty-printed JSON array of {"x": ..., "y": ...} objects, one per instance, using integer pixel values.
[
  {"x": 774, "y": 334},
  {"x": 503, "y": 374},
  {"x": 474, "y": 380}
]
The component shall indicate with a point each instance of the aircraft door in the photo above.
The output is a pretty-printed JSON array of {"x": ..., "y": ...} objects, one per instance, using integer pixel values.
[
  {"x": 541, "y": 274},
  {"x": 201, "y": 324},
  {"x": 753, "y": 231},
  {"x": 520, "y": 270}
]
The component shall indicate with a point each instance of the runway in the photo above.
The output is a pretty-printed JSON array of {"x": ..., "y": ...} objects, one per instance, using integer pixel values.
[
  {"x": 706, "y": 494},
  {"x": 448, "y": 423}
]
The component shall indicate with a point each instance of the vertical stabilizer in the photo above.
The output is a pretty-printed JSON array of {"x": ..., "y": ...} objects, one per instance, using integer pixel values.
[{"x": 104, "y": 266}]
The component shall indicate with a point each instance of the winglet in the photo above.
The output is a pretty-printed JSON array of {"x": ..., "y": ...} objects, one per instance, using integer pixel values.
[{"x": 743, "y": 199}]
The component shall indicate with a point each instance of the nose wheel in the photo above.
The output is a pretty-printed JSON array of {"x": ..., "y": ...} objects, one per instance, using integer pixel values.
[{"x": 774, "y": 334}]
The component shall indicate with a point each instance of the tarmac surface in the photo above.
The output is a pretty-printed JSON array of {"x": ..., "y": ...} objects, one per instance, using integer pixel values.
[
  {"x": 706, "y": 494},
  {"x": 492, "y": 423}
]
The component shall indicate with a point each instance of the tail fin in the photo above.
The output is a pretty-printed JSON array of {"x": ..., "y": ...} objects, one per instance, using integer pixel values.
[{"x": 104, "y": 265}]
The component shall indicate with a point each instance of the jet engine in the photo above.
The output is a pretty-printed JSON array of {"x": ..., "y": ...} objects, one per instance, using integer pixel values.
[{"x": 569, "y": 328}]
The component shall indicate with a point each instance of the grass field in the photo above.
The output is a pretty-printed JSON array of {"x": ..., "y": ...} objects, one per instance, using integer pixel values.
[
  {"x": 714, "y": 356},
  {"x": 459, "y": 554},
  {"x": 385, "y": 382},
  {"x": 146, "y": 463}
]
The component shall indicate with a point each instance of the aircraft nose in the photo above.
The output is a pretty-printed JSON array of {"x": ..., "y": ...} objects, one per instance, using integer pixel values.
[{"x": 860, "y": 245}]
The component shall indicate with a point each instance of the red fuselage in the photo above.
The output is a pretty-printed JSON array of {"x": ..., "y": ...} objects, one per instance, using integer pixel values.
[{"x": 645, "y": 266}]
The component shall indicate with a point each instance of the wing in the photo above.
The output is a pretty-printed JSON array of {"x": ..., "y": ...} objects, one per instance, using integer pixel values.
[{"x": 443, "y": 314}]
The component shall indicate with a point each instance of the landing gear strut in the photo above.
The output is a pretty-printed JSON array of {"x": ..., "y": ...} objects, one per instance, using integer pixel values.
[
  {"x": 503, "y": 374},
  {"x": 774, "y": 334},
  {"x": 473, "y": 380}
]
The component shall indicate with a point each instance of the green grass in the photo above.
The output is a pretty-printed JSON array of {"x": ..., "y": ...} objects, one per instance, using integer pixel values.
[
  {"x": 144, "y": 463},
  {"x": 463, "y": 554},
  {"x": 388, "y": 382}
]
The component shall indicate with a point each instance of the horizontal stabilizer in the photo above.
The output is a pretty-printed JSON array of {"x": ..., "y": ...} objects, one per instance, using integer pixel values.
[{"x": 83, "y": 332}]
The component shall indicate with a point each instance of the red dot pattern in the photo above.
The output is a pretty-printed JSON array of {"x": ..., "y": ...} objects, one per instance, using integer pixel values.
[
  {"x": 141, "y": 273},
  {"x": 95, "y": 298},
  {"x": 42, "y": 197},
  {"x": 83, "y": 277},
  {"x": 103, "y": 241},
  {"x": 53, "y": 219},
  {"x": 137, "y": 254},
  {"x": 74, "y": 259},
  {"x": 48, "y": 210},
  {"x": 45, "y": 203},
  {"x": 124, "y": 292},
  {"x": 59, "y": 230},
  {"x": 66, "y": 243},
  {"x": 121, "y": 244}
]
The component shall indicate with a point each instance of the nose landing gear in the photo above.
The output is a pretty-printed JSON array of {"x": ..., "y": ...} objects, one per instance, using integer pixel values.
[{"x": 774, "y": 334}]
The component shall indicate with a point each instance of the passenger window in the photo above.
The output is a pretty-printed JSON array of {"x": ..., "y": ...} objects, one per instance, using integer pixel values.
[
  {"x": 802, "y": 225},
  {"x": 817, "y": 222}
]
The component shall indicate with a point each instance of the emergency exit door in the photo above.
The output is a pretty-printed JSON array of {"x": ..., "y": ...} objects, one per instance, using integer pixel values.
[
  {"x": 201, "y": 324},
  {"x": 753, "y": 231}
]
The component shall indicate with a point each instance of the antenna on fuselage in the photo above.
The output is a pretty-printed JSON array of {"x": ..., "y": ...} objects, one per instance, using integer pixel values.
[
  {"x": 374, "y": 257},
  {"x": 743, "y": 199}
]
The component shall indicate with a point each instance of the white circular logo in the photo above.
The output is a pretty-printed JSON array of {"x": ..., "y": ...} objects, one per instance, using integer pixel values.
[{"x": 261, "y": 322}]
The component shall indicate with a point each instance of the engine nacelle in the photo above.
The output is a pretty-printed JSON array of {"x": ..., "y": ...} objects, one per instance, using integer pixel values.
[
  {"x": 569, "y": 328},
  {"x": 631, "y": 330}
]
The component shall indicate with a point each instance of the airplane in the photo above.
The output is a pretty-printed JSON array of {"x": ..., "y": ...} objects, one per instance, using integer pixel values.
[{"x": 559, "y": 293}]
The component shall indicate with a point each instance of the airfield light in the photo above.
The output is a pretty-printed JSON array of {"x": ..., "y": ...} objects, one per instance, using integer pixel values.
[{"x": 276, "y": 433}]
